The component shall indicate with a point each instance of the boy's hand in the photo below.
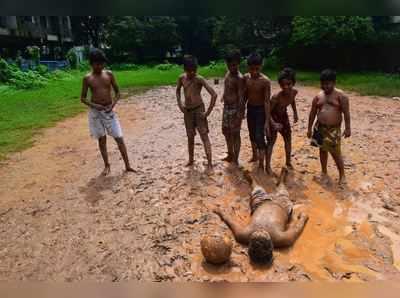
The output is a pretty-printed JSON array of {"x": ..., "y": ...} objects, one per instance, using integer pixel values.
[
  {"x": 277, "y": 126},
  {"x": 347, "y": 133},
  {"x": 99, "y": 107},
  {"x": 110, "y": 107}
]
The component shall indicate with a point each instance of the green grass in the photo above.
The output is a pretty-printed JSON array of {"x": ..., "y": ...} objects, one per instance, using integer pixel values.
[{"x": 24, "y": 112}]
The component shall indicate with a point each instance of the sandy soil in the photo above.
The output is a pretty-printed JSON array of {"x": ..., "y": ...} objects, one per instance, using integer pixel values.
[{"x": 59, "y": 220}]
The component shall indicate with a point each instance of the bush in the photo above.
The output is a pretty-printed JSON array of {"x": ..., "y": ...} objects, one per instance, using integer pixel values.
[
  {"x": 165, "y": 66},
  {"x": 42, "y": 70},
  {"x": 124, "y": 66},
  {"x": 72, "y": 58}
]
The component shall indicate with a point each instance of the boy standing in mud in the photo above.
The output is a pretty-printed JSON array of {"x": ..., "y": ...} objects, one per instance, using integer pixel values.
[
  {"x": 329, "y": 106},
  {"x": 102, "y": 119},
  {"x": 280, "y": 118},
  {"x": 233, "y": 112},
  {"x": 195, "y": 115},
  {"x": 257, "y": 96}
]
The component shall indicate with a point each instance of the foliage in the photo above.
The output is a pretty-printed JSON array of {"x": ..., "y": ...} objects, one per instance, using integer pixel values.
[
  {"x": 331, "y": 30},
  {"x": 72, "y": 58},
  {"x": 165, "y": 66},
  {"x": 34, "y": 53},
  {"x": 125, "y": 66},
  {"x": 89, "y": 29},
  {"x": 142, "y": 38},
  {"x": 12, "y": 75}
]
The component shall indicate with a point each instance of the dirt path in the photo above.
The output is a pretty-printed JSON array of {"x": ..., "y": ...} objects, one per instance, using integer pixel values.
[{"x": 60, "y": 221}]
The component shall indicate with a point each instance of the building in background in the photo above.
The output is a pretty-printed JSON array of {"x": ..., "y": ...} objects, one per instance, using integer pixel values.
[{"x": 52, "y": 34}]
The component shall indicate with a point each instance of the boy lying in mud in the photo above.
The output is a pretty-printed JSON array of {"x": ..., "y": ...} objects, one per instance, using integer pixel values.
[
  {"x": 270, "y": 225},
  {"x": 329, "y": 106},
  {"x": 195, "y": 115},
  {"x": 102, "y": 119}
]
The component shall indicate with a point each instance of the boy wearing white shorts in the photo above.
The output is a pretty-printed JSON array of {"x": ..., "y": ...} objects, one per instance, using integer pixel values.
[{"x": 102, "y": 119}]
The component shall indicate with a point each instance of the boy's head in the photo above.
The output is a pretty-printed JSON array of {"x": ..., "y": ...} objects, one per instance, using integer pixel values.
[
  {"x": 261, "y": 247},
  {"x": 190, "y": 65},
  {"x": 254, "y": 62},
  {"x": 97, "y": 60},
  {"x": 287, "y": 79},
  {"x": 328, "y": 80},
  {"x": 232, "y": 60}
]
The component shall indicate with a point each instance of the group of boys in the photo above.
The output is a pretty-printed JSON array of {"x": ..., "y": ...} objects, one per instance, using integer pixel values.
[{"x": 266, "y": 115}]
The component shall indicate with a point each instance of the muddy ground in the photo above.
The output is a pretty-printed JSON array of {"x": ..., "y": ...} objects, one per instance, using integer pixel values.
[{"x": 61, "y": 221}]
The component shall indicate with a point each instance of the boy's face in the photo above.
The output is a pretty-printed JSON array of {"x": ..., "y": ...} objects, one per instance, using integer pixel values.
[
  {"x": 286, "y": 85},
  {"x": 98, "y": 67},
  {"x": 328, "y": 86},
  {"x": 233, "y": 67},
  {"x": 191, "y": 72},
  {"x": 255, "y": 70}
]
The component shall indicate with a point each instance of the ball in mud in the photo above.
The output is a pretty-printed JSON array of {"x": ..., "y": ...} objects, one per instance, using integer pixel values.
[{"x": 216, "y": 248}]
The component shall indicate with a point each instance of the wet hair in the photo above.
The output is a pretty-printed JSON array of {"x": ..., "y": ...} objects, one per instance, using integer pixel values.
[
  {"x": 328, "y": 75},
  {"x": 287, "y": 74},
  {"x": 189, "y": 61},
  {"x": 233, "y": 56},
  {"x": 254, "y": 59},
  {"x": 97, "y": 56},
  {"x": 261, "y": 247}
]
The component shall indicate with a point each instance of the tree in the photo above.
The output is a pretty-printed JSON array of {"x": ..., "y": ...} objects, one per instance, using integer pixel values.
[
  {"x": 331, "y": 30},
  {"x": 142, "y": 38},
  {"x": 89, "y": 30}
]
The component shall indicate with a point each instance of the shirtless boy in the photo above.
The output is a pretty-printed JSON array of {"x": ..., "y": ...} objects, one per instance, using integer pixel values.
[
  {"x": 194, "y": 112},
  {"x": 270, "y": 224},
  {"x": 233, "y": 113},
  {"x": 257, "y": 95},
  {"x": 280, "y": 118},
  {"x": 329, "y": 106},
  {"x": 102, "y": 119}
]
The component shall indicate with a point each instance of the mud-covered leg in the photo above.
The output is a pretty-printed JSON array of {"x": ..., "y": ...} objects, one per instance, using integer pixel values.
[
  {"x": 337, "y": 157},
  {"x": 122, "y": 148},
  {"x": 323, "y": 157},
  {"x": 236, "y": 146},
  {"x": 270, "y": 148},
  {"x": 229, "y": 145},
  {"x": 207, "y": 148},
  {"x": 190, "y": 150},
  {"x": 288, "y": 149},
  {"x": 104, "y": 155}
]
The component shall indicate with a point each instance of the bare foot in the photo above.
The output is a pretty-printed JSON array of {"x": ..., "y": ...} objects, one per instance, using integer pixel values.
[
  {"x": 106, "y": 171},
  {"x": 289, "y": 166},
  {"x": 342, "y": 181},
  {"x": 130, "y": 169},
  {"x": 190, "y": 163},
  {"x": 228, "y": 158},
  {"x": 253, "y": 159}
]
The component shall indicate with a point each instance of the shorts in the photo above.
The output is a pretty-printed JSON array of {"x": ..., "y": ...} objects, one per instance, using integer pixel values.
[
  {"x": 231, "y": 122},
  {"x": 327, "y": 138},
  {"x": 195, "y": 120},
  {"x": 281, "y": 197},
  {"x": 256, "y": 124},
  {"x": 102, "y": 123},
  {"x": 282, "y": 119}
]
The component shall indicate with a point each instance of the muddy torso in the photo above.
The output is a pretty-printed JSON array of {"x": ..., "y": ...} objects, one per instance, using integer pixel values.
[
  {"x": 232, "y": 88},
  {"x": 281, "y": 101},
  {"x": 100, "y": 88},
  {"x": 256, "y": 89},
  {"x": 329, "y": 108},
  {"x": 271, "y": 217},
  {"x": 192, "y": 91}
]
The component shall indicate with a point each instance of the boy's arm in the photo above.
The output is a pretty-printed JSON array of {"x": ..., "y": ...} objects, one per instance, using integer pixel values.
[
  {"x": 242, "y": 97},
  {"x": 311, "y": 118},
  {"x": 116, "y": 90},
  {"x": 295, "y": 115},
  {"x": 275, "y": 125},
  {"x": 85, "y": 87},
  {"x": 346, "y": 111},
  {"x": 178, "y": 95},
  {"x": 240, "y": 232},
  {"x": 268, "y": 109},
  {"x": 213, "y": 97}
]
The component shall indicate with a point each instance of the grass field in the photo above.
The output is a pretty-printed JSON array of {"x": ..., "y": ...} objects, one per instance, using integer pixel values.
[{"x": 24, "y": 112}]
